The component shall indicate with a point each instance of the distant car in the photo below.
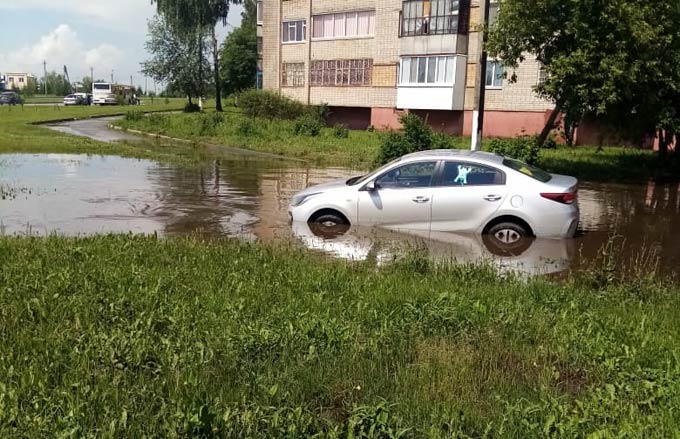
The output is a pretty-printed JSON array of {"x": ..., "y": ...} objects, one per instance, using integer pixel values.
[
  {"x": 9, "y": 98},
  {"x": 449, "y": 191},
  {"x": 78, "y": 99}
]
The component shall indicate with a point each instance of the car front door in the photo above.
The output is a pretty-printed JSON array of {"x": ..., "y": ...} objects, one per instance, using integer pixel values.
[
  {"x": 466, "y": 196},
  {"x": 401, "y": 198}
]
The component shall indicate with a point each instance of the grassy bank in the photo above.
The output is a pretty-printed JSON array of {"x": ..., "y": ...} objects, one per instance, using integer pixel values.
[
  {"x": 137, "y": 337},
  {"x": 360, "y": 148},
  {"x": 42, "y": 99},
  {"x": 19, "y": 135}
]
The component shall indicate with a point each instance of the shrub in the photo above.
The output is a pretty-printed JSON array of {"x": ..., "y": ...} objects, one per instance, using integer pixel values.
[
  {"x": 322, "y": 112},
  {"x": 208, "y": 123},
  {"x": 190, "y": 107},
  {"x": 308, "y": 125},
  {"x": 524, "y": 148},
  {"x": 134, "y": 116},
  {"x": 340, "y": 131},
  {"x": 259, "y": 103},
  {"x": 416, "y": 136},
  {"x": 550, "y": 142}
]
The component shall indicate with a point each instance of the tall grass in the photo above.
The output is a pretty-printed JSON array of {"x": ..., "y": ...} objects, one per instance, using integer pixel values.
[{"x": 122, "y": 336}]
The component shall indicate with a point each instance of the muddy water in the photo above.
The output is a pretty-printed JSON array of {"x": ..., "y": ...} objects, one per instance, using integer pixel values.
[{"x": 247, "y": 197}]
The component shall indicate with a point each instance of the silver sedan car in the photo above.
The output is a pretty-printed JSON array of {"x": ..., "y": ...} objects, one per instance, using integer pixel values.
[{"x": 449, "y": 190}]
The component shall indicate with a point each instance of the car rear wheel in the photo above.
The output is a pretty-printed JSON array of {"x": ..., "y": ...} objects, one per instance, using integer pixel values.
[{"x": 507, "y": 239}]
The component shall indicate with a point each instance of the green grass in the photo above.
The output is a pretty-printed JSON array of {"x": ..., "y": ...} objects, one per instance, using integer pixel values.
[
  {"x": 19, "y": 135},
  {"x": 121, "y": 336},
  {"x": 42, "y": 99},
  {"x": 361, "y": 147}
]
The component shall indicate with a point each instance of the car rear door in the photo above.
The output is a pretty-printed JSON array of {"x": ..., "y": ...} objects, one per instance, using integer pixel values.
[
  {"x": 402, "y": 198},
  {"x": 466, "y": 195}
]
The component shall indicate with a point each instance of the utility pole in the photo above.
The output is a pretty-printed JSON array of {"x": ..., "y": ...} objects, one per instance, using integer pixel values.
[
  {"x": 146, "y": 85},
  {"x": 480, "y": 85},
  {"x": 45, "y": 76},
  {"x": 111, "y": 76},
  {"x": 92, "y": 74}
]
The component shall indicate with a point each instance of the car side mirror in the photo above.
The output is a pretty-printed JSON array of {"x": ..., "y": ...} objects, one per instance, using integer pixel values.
[{"x": 371, "y": 186}]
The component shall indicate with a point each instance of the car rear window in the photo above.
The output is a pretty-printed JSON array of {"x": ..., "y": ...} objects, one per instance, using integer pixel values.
[{"x": 528, "y": 170}]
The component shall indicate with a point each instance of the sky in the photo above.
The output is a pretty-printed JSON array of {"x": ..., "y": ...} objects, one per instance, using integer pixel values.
[{"x": 106, "y": 35}]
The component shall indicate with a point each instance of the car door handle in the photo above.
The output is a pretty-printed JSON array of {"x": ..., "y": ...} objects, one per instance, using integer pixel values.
[
  {"x": 421, "y": 199},
  {"x": 492, "y": 197}
]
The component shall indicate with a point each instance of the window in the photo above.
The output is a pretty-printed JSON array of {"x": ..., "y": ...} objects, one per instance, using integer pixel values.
[
  {"x": 427, "y": 70},
  {"x": 344, "y": 25},
  {"x": 342, "y": 72},
  {"x": 429, "y": 17},
  {"x": 470, "y": 174},
  {"x": 293, "y": 74},
  {"x": 528, "y": 170},
  {"x": 494, "y": 74},
  {"x": 260, "y": 12},
  {"x": 542, "y": 75},
  {"x": 413, "y": 175},
  {"x": 21, "y": 80},
  {"x": 294, "y": 31}
]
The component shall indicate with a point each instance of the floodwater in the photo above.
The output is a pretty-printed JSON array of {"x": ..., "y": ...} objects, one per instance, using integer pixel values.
[{"x": 247, "y": 197}]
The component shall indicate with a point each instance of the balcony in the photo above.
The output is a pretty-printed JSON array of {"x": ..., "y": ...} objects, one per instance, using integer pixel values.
[{"x": 431, "y": 82}]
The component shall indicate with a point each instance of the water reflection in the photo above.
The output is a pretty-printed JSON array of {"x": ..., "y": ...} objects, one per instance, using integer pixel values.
[{"x": 248, "y": 197}]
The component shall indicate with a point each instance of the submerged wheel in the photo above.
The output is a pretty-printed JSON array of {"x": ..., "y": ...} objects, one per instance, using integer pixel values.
[
  {"x": 329, "y": 225},
  {"x": 507, "y": 239}
]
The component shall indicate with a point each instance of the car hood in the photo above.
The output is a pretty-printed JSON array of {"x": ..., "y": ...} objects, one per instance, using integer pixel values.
[{"x": 336, "y": 184}]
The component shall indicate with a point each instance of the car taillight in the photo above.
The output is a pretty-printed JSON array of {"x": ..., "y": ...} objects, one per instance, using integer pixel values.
[{"x": 564, "y": 198}]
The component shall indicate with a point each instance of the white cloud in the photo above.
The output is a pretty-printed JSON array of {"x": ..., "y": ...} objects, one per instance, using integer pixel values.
[
  {"x": 60, "y": 47},
  {"x": 123, "y": 15}
]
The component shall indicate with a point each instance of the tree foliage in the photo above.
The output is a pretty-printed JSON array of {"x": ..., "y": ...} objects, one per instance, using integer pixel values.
[
  {"x": 616, "y": 60},
  {"x": 174, "y": 59},
  {"x": 239, "y": 54},
  {"x": 194, "y": 16}
]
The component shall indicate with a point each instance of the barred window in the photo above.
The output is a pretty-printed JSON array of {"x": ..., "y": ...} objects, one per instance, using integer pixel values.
[
  {"x": 429, "y": 17},
  {"x": 293, "y": 74},
  {"x": 341, "y": 72}
]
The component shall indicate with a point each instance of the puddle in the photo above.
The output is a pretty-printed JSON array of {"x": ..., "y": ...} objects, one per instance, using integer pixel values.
[{"x": 247, "y": 197}]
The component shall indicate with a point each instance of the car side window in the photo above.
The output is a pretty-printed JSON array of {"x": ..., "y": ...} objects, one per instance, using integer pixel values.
[
  {"x": 470, "y": 174},
  {"x": 412, "y": 175}
]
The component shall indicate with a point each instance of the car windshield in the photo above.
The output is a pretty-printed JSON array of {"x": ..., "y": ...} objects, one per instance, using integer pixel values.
[
  {"x": 354, "y": 181},
  {"x": 528, "y": 170}
]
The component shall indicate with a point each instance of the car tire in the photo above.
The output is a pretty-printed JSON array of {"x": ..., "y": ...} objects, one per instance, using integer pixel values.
[
  {"x": 507, "y": 239},
  {"x": 329, "y": 225}
]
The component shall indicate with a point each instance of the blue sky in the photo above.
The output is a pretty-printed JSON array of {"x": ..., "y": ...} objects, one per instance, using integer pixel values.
[{"x": 103, "y": 34}]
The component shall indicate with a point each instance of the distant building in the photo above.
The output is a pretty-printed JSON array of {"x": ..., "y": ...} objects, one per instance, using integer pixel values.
[{"x": 18, "y": 80}]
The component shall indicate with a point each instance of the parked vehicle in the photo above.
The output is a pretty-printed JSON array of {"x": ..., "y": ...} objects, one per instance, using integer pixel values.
[
  {"x": 449, "y": 191},
  {"x": 10, "y": 98},
  {"x": 102, "y": 94},
  {"x": 72, "y": 100}
]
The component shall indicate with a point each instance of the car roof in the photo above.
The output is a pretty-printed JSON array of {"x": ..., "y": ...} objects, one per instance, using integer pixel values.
[{"x": 456, "y": 154}]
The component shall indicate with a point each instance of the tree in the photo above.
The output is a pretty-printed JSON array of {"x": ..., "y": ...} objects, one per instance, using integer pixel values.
[
  {"x": 57, "y": 84},
  {"x": 239, "y": 55},
  {"x": 171, "y": 64},
  {"x": 616, "y": 60},
  {"x": 194, "y": 16}
]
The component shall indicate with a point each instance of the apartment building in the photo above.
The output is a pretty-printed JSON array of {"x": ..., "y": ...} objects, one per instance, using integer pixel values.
[{"x": 373, "y": 60}]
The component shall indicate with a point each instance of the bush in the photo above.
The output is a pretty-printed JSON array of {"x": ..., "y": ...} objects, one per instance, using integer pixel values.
[
  {"x": 259, "y": 103},
  {"x": 208, "y": 123},
  {"x": 524, "y": 148},
  {"x": 134, "y": 116},
  {"x": 190, "y": 107},
  {"x": 417, "y": 135},
  {"x": 308, "y": 125},
  {"x": 340, "y": 131}
]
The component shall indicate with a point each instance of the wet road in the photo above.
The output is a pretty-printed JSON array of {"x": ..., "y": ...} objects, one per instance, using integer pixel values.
[
  {"x": 96, "y": 128},
  {"x": 247, "y": 197}
]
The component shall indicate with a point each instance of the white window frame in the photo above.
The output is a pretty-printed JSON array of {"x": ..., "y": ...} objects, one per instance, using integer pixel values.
[
  {"x": 259, "y": 11},
  {"x": 489, "y": 64},
  {"x": 288, "y": 24},
  {"x": 438, "y": 58},
  {"x": 345, "y": 37}
]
